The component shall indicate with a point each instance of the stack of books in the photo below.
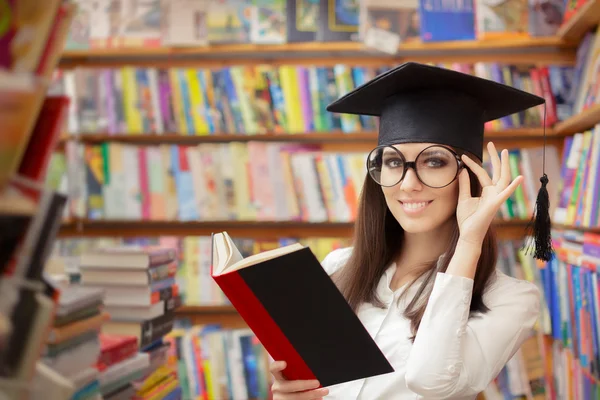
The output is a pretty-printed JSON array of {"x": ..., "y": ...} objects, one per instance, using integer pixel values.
[
  {"x": 73, "y": 345},
  {"x": 128, "y": 373},
  {"x": 140, "y": 297},
  {"x": 121, "y": 364}
]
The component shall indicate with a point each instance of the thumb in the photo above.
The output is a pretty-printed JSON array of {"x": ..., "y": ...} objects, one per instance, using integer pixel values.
[{"x": 464, "y": 185}]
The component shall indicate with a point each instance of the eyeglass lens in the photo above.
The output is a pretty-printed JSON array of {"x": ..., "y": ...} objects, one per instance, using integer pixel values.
[{"x": 436, "y": 166}]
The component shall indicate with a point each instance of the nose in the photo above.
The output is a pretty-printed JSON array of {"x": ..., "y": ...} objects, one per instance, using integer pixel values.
[{"x": 410, "y": 182}]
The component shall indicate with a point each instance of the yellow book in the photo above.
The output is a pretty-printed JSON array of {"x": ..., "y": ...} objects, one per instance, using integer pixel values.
[
  {"x": 326, "y": 187},
  {"x": 293, "y": 204},
  {"x": 196, "y": 102},
  {"x": 133, "y": 117},
  {"x": 161, "y": 374},
  {"x": 161, "y": 391},
  {"x": 572, "y": 207},
  {"x": 239, "y": 153},
  {"x": 289, "y": 84},
  {"x": 191, "y": 273},
  {"x": 591, "y": 185},
  {"x": 241, "y": 81},
  {"x": 177, "y": 102}
]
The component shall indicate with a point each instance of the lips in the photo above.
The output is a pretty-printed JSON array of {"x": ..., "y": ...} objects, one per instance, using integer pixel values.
[{"x": 415, "y": 206}]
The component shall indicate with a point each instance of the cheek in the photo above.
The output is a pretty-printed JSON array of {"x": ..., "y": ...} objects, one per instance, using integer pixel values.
[
  {"x": 388, "y": 193},
  {"x": 449, "y": 196}
]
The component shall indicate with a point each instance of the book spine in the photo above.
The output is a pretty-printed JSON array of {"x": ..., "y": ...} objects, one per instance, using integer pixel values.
[
  {"x": 264, "y": 327},
  {"x": 116, "y": 354},
  {"x": 154, "y": 329}
]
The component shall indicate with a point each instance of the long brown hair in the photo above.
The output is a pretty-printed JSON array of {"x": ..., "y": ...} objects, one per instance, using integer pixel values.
[{"x": 376, "y": 242}]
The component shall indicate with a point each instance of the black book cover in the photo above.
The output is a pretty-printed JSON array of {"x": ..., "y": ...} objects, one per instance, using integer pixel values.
[{"x": 314, "y": 316}]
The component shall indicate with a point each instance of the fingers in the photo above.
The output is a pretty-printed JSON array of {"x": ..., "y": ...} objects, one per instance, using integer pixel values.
[
  {"x": 505, "y": 174},
  {"x": 464, "y": 185},
  {"x": 495, "y": 162},
  {"x": 284, "y": 389},
  {"x": 297, "y": 390},
  {"x": 505, "y": 194},
  {"x": 479, "y": 172},
  {"x": 276, "y": 368}
]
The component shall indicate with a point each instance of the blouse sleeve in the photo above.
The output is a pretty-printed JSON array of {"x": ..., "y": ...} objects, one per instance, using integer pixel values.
[
  {"x": 336, "y": 259},
  {"x": 454, "y": 355}
]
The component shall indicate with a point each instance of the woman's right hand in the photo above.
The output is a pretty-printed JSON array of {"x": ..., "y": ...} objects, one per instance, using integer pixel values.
[{"x": 284, "y": 389}]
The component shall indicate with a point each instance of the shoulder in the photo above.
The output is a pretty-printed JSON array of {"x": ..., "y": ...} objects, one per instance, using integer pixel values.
[
  {"x": 336, "y": 259},
  {"x": 512, "y": 294}
]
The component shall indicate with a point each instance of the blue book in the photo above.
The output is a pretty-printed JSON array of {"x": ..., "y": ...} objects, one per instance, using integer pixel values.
[{"x": 446, "y": 21}]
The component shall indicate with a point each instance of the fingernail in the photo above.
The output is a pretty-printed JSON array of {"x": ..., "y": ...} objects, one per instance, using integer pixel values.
[
  {"x": 324, "y": 392},
  {"x": 315, "y": 383}
]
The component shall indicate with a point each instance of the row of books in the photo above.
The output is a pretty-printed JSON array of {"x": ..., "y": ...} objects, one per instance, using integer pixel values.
[
  {"x": 253, "y": 181},
  {"x": 259, "y": 99},
  {"x": 200, "y": 22},
  {"x": 74, "y": 345},
  {"x": 220, "y": 363},
  {"x": 586, "y": 74},
  {"x": 578, "y": 202},
  {"x": 570, "y": 287}
]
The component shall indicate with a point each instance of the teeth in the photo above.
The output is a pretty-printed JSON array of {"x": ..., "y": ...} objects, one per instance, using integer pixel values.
[{"x": 414, "y": 206}]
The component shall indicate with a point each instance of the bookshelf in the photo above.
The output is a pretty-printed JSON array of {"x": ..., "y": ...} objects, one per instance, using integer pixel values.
[
  {"x": 369, "y": 138},
  {"x": 557, "y": 50},
  {"x": 534, "y": 50},
  {"x": 325, "y": 48},
  {"x": 264, "y": 230},
  {"x": 582, "y": 121},
  {"x": 584, "y": 19}
]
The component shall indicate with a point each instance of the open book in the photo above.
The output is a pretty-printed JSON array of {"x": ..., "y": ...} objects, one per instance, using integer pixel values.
[{"x": 297, "y": 312}]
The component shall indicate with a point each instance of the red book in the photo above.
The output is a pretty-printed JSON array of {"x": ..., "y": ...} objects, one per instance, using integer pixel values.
[
  {"x": 297, "y": 313},
  {"x": 114, "y": 349},
  {"x": 44, "y": 136}
]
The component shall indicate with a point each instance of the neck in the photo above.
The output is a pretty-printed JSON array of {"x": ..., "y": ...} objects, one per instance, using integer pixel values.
[{"x": 424, "y": 247}]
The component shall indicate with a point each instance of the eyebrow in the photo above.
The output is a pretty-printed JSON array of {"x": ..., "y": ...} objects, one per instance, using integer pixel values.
[{"x": 431, "y": 152}]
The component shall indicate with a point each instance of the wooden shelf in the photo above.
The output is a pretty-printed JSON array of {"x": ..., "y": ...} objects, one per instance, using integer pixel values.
[
  {"x": 311, "y": 137},
  {"x": 175, "y": 138},
  {"x": 585, "y": 19},
  {"x": 593, "y": 229},
  {"x": 580, "y": 122},
  {"x": 258, "y": 230},
  {"x": 519, "y": 50},
  {"x": 266, "y": 230},
  {"x": 226, "y": 316},
  {"x": 218, "y": 309}
]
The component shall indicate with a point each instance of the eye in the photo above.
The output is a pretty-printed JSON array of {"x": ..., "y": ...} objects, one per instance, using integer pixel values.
[
  {"x": 393, "y": 162},
  {"x": 435, "y": 162}
]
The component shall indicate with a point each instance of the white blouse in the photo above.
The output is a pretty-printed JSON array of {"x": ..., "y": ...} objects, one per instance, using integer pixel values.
[{"x": 453, "y": 357}]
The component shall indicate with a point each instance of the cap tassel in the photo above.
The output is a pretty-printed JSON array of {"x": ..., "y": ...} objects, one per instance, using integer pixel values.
[{"x": 540, "y": 225}]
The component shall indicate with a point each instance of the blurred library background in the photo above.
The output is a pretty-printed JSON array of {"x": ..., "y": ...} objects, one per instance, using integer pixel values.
[{"x": 148, "y": 125}]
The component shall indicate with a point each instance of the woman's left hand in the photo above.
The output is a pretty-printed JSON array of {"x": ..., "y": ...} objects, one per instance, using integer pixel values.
[{"x": 475, "y": 214}]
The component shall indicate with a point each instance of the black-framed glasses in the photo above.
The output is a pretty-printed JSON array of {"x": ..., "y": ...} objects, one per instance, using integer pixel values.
[{"x": 436, "y": 166}]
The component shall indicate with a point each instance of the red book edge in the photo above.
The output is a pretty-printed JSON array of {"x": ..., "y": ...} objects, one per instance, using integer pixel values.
[
  {"x": 114, "y": 349},
  {"x": 35, "y": 159}
]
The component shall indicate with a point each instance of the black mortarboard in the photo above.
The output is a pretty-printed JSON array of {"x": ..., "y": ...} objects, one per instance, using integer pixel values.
[
  {"x": 428, "y": 104},
  {"x": 422, "y": 103}
]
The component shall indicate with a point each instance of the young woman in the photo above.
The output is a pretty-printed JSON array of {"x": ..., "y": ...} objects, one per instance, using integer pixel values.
[{"x": 421, "y": 272}]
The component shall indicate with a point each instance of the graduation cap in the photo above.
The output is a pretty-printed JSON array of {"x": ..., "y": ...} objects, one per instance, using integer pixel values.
[{"x": 422, "y": 103}]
